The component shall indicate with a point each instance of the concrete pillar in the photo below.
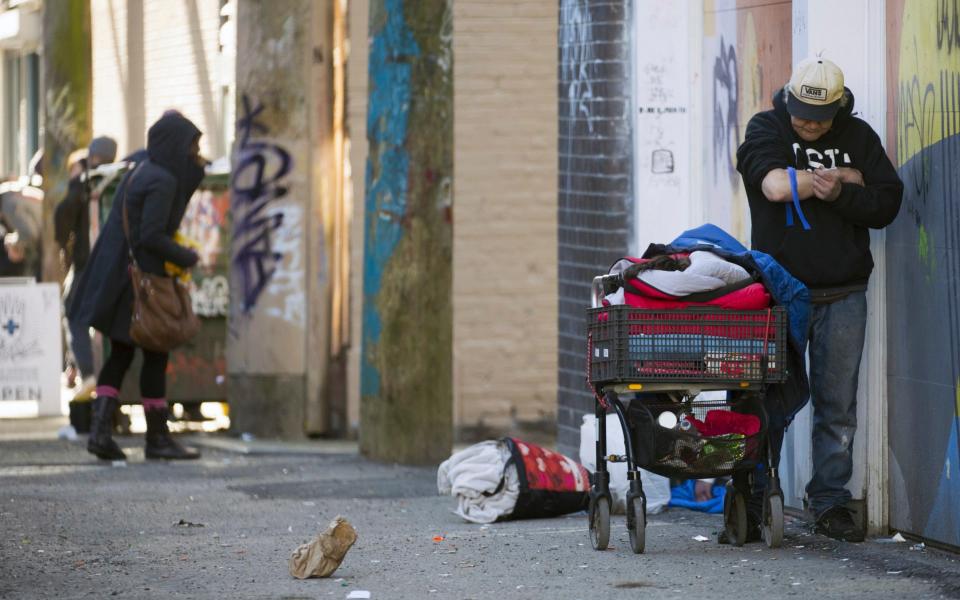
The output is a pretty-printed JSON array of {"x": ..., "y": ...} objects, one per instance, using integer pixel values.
[
  {"x": 66, "y": 107},
  {"x": 283, "y": 193},
  {"x": 406, "y": 381}
]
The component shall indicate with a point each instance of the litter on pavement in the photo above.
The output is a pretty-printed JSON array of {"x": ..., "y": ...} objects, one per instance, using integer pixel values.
[
  {"x": 322, "y": 556},
  {"x": 67, "y": 432},
  {"x": 184, "y": 523}
]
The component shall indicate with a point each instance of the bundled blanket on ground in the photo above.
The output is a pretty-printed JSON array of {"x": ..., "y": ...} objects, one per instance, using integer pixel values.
[
  {"x": 510, "y": 478},
  {"x": 479, "y": 479}
]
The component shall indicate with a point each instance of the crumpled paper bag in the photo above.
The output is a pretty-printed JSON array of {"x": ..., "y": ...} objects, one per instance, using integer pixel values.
[{"x": 322, "y": 556}]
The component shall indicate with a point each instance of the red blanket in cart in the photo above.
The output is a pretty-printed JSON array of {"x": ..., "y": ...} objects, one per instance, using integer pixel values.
[
  {"x": 665, "y": 321},
  {"x": 641, "y": 294}
]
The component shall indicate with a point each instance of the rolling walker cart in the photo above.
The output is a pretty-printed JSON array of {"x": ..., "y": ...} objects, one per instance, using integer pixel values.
[{"x": 670, "y": 356}]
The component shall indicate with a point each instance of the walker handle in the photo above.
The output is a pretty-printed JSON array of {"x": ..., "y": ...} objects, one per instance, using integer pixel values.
[{"x": 603, "y": 285}]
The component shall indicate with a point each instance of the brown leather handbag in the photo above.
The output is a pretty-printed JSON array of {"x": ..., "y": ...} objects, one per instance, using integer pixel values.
[{"x": 163, "y": 316}]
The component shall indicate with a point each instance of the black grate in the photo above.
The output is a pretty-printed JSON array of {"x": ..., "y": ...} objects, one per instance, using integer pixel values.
[
  {"x": 685, "y": 453},
  {"x": 701, "y": 345}
]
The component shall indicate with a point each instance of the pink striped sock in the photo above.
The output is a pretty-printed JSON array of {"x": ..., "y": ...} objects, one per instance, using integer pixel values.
[
  {"x": 107, "y": 390},
  {"x": 154, "y": 403}
]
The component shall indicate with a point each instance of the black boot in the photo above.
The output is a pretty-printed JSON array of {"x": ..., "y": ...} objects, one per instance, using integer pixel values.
[
  {"x": 160, "y": 444},
  {"x": 100, "y": 441}
]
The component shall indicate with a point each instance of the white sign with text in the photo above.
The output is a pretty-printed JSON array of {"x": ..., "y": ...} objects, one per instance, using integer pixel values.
[{"x": 30, "y": 350}]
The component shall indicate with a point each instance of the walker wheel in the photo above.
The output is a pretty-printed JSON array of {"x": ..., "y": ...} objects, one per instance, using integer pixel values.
[
  {"x": 637, "y": 526},
  {"x": 773, "y": 521},
  {"x": 600, "y": 523},
  {"x": 735, "y": 516}
]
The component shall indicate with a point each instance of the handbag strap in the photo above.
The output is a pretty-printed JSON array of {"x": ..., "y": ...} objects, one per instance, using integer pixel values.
[{"x": 126, "y": 219}]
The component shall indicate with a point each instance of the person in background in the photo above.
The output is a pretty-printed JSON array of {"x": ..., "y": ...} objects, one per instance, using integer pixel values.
[
  {"x": 817, "y": 180},
  {"x": 21, "y": 201},
  {"x": 156, "y": 193},
  {"x": 12, "y": 254},
  {"x": 703, "y": 489},
  {"x": 71, "y": 219}
]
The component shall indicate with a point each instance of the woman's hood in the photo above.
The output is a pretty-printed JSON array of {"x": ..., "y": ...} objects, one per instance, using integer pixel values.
[{"x": 169, "y": 140}]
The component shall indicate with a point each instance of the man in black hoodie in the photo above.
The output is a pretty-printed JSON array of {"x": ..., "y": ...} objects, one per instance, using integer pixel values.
[{"x": 817, "y": 179}]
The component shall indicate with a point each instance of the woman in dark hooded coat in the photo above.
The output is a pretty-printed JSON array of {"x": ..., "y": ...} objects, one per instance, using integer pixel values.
[{"x": 156, "y": 192}]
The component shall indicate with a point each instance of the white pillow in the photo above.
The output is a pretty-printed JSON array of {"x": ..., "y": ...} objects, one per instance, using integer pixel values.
[{"x": 710, "y": 265}]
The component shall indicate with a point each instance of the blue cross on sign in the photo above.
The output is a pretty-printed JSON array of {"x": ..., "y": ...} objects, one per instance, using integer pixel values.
[{"x": 11, "y": 327}]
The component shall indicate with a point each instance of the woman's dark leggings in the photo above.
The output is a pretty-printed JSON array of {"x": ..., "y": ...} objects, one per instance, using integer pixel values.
[{"x": 153, "y": 379}]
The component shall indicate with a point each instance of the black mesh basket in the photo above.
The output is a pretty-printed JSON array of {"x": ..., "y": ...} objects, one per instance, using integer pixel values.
[
  {"x": 703, "y": 345},
  {"x": 685, "y": 453}
]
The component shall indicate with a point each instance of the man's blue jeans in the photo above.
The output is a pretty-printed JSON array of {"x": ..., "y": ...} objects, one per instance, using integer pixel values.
[
  {"x": 837, "y": 333},
  {"x": 82, "y": 347},
  {"x": 78, "y": 334}
]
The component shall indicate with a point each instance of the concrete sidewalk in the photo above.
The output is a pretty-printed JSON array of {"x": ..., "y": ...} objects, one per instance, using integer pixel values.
[{"x": 224, "y": 527}]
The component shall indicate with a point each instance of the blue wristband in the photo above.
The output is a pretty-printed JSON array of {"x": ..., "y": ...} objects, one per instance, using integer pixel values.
[{"x": 792, "y": 173}]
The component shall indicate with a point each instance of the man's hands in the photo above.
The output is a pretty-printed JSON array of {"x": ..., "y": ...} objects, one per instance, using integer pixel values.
[
  {"x": 703, "y": 490},
  {"x": 824, "y": 184},
  {"x": 850, "y": 175},
  {"x": 827, "y": 182}
]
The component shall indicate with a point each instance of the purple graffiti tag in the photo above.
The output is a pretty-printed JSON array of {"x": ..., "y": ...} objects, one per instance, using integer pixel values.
[
  {"x": 260, "y": 167},
  {"x": 726, "y": 124}
]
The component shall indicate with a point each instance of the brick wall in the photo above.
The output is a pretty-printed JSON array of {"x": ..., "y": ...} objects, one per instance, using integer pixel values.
[
  {"x": 505, "y": 245},
  {"x": 595, "y": 170},
  {"x": 149, "y": 57}
]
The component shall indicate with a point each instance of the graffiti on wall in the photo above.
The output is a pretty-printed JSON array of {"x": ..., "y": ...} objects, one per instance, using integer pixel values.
[
  {"x": 726, "y": 124},
  {"x": 745, "y": 61},
  {"x": 948, "y": 25},
  {"x": 923, "y": 245},
  {"x": 267, "y": 231},
  {"x": 576, "y": 53},
  {"x": 210, "y": 296},
  {"x": 205, "y": 224}
]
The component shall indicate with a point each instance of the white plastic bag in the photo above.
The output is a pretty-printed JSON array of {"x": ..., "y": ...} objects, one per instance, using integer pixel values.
[{"x": 655, "y": 487}]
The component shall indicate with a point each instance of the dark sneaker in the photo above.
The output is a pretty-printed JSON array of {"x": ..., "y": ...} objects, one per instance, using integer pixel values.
[
  {"x": 753, "y": 531},
  {"x": 837, "y": 522}
]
